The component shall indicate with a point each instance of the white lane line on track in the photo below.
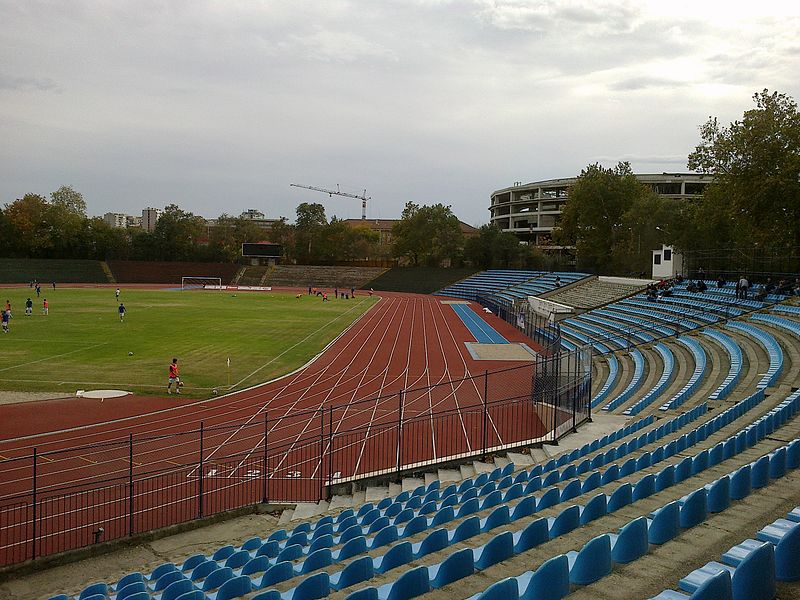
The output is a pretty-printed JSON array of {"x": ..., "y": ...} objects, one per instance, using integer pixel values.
[
  {"x": 340, "y": 373},
  {"x": 181, "y": 407}
]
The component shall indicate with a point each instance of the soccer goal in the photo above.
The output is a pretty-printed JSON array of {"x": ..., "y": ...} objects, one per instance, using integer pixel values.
[{"x": 202, "y": 283}]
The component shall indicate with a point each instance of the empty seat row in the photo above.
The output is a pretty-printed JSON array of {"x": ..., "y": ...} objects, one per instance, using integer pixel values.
[
  {"x": 611, "y": 380},
  {"x": 700, "y": 364},
  {"x": 770, "y": 345},
  {"x": 749, "y": 569},
  {"x": 735, "y": 359},
  {"x": 668, "y": 359},
  {"x": 596, "y": 559},
  {"x": 636, "y": 381}
]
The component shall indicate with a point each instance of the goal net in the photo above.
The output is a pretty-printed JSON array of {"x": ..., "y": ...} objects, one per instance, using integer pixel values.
[{"x": 202, "y": 283}]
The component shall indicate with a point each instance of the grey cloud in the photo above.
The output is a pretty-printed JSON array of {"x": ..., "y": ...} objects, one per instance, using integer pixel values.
[
  {"x": 645, "y": 82},
  {"x": 24, "y": 84}
]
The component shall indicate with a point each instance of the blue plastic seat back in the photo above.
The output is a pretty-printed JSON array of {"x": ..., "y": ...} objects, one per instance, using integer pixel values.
[
  {"x": 596, "y": 507},
  {"x": 176, "y": 589},
  {"x": 236, "y": 587},
  {"x": 357, "y": 571},
  {"x": 665, "y": 523},
  {"x": 276, "y": 574},
  {"x": 499, "y": 516},
  {"x": 270, "y": 549},
  {"x": 161, "y": 583},
  {"x": 549, "y": 582},
  {"x": 326, "y": 529},
  {"x": 513, "y": 492},
  {"x": 759, "y": 472},
  {"x": 378, "y": 524},
  {"x": 323, "y": 541},
  {"x": 526, "y": 507},
  {"x": 505, "y": 589},
  {"x": 193, "y": 595},
  {"x": 385, "y": 536},
  {"x": 551, "y": 478},
  {"x": 622, "y": 496},
  {"x": 567, "y": 520},
  {"x": 317, "y": 560},
  {"x": 693, "y": 509},
  {"x": 571, "y": 490},
  {"x": 203, "y": 569},
  {"x": 223, "y": 553},
  {"x": 433, "y": 542},
  {"x": 610, "y": 474},
  {"x": 398, "y": 555},
  {"x": 139, "y": 586},
  {"x": 740, "y": 483},
  {"x": 351, "y": 532},
  {"x": 469, "y": 507},
  {"x": 535, "y": 533},
  {"x": 190, "y": 563},
  {"x": 645, "y": 487},
  {"x": 128, "y": 579},
  {"x": 217, "y": 578},
  {"x": 498, "y": 549},
  {"x": 777, "y": 464},
  {"x": 313, "y": 587},
  {"x": 755, "y": 575},
  {"x": 93, "y": 590},
  {"x": 444, "y": 515},
  {"x": 718, "y": 495},
  {"x": 592, "y": 482},
  {"x": 292, "y": 552},
  {"x": 534, "y": 485},
  {"x": 665, "y": 478},
  {"x": 259, "y": 564},
  {"x": 302, "y": 527},
  {"x": 787, "y": 551},
  {"x": 410, "y": 584},
  {"x": 593, "y": 562},
  {"x": 415, "y": 525},
  {"x": 369, "y": 593},
  {"x": 493, "y": 499},
  {"x": 138, "y": 596},
  {"x": 631, "y": 542},
  {"x": 345, "y": 523},
  {"x": 278, "y": 535},
  {"x": 550, "y": 498},
  {"x": 237, "y": 559},
  {"x": 456, "y": 566},
  {"x": 466, "y": 529},
  {"x": 353, "y": 547},
  {"x": 254, "y": 543},
  {"x": 392, "y": 510}
]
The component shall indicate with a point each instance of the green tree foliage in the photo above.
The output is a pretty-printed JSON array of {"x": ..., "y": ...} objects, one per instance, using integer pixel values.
[
  {"x": 610, "y": 220},
  {"x": 428, "y": 235},
  {"x": 755, "y": 196},
  {"x": 176, "y": 234},
  {"x": 308, "y": 228},
  {"x": 493, "y": 248},
  {"x": 69, "y": 199},
  {"x": 225, "y": 239}
]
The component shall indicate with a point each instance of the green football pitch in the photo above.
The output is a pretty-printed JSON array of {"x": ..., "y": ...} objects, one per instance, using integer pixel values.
[{"x": 81, "y": 343}]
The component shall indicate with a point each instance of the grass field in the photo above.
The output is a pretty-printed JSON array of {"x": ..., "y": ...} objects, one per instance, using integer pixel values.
[{"x": 82, "y": 344}]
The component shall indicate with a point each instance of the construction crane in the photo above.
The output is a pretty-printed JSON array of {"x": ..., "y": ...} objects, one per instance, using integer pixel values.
[{"x": 363, "y": 197}]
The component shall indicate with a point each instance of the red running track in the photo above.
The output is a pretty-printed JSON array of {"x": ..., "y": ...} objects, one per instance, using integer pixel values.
[{"x": 344, "y": 406}]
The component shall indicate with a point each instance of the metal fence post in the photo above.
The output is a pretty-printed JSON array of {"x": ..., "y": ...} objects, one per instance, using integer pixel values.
[
  {"x": 484, "y": 431},
  {"x": 399, "y": 430},
  {"x": 200, "y": 478},
  {"x": 34, "y": 513},
  {"x": 264, "y": 475},
  {"x": 330, "y": 445},
  {"x": 321, "y": 451},
  {"x": 130, "y": 484}
]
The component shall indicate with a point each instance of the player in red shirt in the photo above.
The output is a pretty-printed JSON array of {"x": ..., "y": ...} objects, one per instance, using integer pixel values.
[{"x": 173, "y": 377}]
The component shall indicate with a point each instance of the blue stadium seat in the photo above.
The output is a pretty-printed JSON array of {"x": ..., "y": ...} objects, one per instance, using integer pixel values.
[
  {"x": 357, "y": 571},
  {"x": 752, "y": 569},
  {"x": 456, "y": 566},
  {"x": 535, "y": 533},
  {"x": 664, "y": 523},
  {"x": 498, "y": 549},
  {"x": 631, "y": 541},
  {"x": 592, "y": 562},
  {"x": 549, "y": 582}
]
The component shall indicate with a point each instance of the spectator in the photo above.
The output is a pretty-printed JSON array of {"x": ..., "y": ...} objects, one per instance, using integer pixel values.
[
  {"x": 721, "y": 281},
  {"x": 770, "y": 287},
  {"x": 784, "y": 287},
  {"x": 761, "y": 293},
  {"x": 558, "y": 281},
  {"x": 701, "y": 286},
  {"x": 701, "y": 273},
  {"x": 691, "y": 287},
  {"x": 744, "y": 285}
]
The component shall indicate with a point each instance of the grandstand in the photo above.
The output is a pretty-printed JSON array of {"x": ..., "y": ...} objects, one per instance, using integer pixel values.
[
  {"x": 301, "y": 276},
  {"x": 140, "y": 271},
  {"x": 25, "y": 270},
  {"x": 693, "y": 493}
]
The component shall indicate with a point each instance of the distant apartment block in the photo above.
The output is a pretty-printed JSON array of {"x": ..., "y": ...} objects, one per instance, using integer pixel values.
[
  {"x": 150, "y": 218},
  {"x": 118, "y": 220}
]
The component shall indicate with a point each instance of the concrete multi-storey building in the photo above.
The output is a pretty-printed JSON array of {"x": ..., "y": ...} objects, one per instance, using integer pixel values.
[
  {"x": 531, "y": 210},
  {"x": 118, "y": 220},
  {"x": 150, "y": 218}
]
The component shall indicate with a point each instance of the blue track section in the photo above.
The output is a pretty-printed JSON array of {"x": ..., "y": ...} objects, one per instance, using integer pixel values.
[{"x": 483, "y": 332}]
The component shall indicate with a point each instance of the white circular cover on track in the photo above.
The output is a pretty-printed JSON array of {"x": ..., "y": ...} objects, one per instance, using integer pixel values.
[{"x": 101, "y": 393}]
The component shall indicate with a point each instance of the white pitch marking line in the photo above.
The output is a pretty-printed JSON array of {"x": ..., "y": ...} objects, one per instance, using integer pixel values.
[{"x": 33, "y": 362}]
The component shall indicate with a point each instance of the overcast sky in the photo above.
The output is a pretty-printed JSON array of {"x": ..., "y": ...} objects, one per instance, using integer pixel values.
[{"x": 219, "y": 106}]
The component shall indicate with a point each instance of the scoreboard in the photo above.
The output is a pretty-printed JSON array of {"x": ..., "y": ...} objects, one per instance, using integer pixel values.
[{"x": 262, "y": 250}]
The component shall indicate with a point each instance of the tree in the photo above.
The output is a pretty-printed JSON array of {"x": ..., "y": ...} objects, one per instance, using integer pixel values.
[
  {"x": 176, "y": 234},
  {"x": 227, "y": 236},
  {"x": 428, "y": 235},
  {"x": 69, "y": 199},
  {"x": 493, "y": 248},
  {"x": 755, "y": 162},
  {"x": 32, "y": 235},
  {"x": 597, "y": 218},
  {"x": 308, "y": 226}
]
